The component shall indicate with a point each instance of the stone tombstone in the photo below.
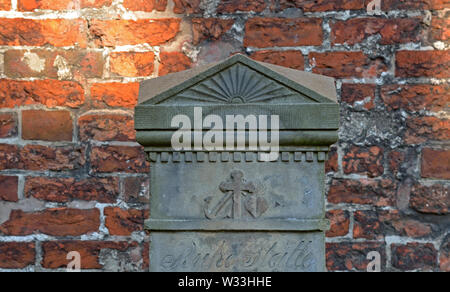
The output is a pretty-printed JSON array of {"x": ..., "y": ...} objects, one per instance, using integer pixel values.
[{"x": 230, "y": 209}]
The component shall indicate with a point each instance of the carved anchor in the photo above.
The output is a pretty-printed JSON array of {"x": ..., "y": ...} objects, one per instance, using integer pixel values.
[{"x": 234, "y": 189}]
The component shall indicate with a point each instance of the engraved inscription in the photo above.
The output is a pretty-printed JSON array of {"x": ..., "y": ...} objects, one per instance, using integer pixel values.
[
  {"x": 231, "y": 205},
  {"x": 262, "y": 254}
]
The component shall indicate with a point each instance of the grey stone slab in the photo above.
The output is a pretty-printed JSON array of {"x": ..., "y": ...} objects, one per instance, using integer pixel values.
[{"x": 237, "y": 251}]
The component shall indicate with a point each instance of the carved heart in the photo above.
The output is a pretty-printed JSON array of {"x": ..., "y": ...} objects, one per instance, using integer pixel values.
[{"x": 256, "y": 206}]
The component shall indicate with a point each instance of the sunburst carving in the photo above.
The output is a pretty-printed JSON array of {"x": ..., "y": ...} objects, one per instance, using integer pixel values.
[{"x": 237, "y": 84}]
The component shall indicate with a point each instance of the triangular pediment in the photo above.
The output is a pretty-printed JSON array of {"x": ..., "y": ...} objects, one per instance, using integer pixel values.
[{"x": 238, "y": 80}]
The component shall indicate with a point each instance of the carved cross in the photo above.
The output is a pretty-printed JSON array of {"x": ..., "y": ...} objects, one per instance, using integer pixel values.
[{"x": 237, "y": 186}]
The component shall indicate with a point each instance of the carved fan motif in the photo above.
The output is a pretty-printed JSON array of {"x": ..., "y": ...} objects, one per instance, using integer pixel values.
[{"x": 238, "y": 84}]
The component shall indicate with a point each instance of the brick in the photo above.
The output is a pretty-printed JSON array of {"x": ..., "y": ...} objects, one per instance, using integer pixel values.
[
  {"x": 8, "y": 125},
  {"x": 61, "y": 190},
  {"x": 348, "y": 256},
  {"x": 30, "y": 5},
  {"x": 414, "y": 256},
  {"x": 137, "y": 190},
  {"x": 61, "y": 64},
  {"x": 444, "y": 258},
  {"x": 362, "y": 160},
  {"x": 380, "y": 193},
  {"x": 232, "y": 6},
  {"x": 434, "y": 199},
  {"x": 435, "y": 163},
  {"x": 187, "y": 7},
  {"x": 283, "y": 32},
  {"x": 323, "y": 5},
  {"x": 423, "y": 129},
  {"x": 42, "y": 158},
  {"x": 115, "y": 94},
  {"x": 17, "y": 255},
  {"x": 395, "y": 161},
  {"x": 375, "y": 225},
  {"x": 124, "y": 222},
  {"x": 392, "y": 31},
  {"x": 387, "y": 5},
  {"x": 9, "y": 156},
  {"x": 109, "y": 127},
  {"x": 209, "y": 28},
  {"x": 340, "y": 223},
  {"x": 37, "y": 32},
  {"x": 332, "y": 162},
  {"x": 346, "y": 64},
  {"x": 120, "y": 32},
  {"x": 119, "y": 159},
  {"x": 51, "y": 93},
  {"x": 132, "y": 64},
  {"x": 359, "y": 95},
  {"x": 291, "y": 59},
  {"x": 55, "y": 252},
  {"x": 5, "y": 4},
  {"x": 416, "y": 97},
  {"x": 440, "y": 28},
  {"x": 47, "y": 125},
  {"x": 173, "y": 62},
  {"x": 423, "y": 64},
  {"x": 56, "y": 222},
  {"x": 145, "y": 5},
  {"x": 9, "y": 188}
]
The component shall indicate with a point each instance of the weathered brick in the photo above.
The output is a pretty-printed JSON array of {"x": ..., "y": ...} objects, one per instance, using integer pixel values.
[
  {"x": 9, "y": 188},
  {"x": 291, "y": 59},
  {"x": 363, "y": 191},
  {"x": 423, "y": 64},
  {"x": 5, "y": 4},
  {"x": 56, "y": 222},
  {"x": 109, "y": 33},
  {"x": 30, "y": 5},
  {"x": 361, "y": 160},
  {"x": 323, "y": 5},
  {"x": 17, "y": 255},
  {"x": 132, "y": 64},
  {"x": 55, "y": 252},
  {"x": 414, "y": 256},
  {"x": 41, "y": 32},
  {"x": 346, "y": 64},
  {"x": 42, "y": 158},
  {"x": 359, "y": 95},
  {"x": 109, "y": 127},
  {"x": 209, "y": 28},
  {"x": 332, "y": 162},
  {"x": 50, "y": 93},
  {"x": 279, "y": 32},
  {"x": 173, "y": 62},
  {"x": 348, "y": 256},
  {"x": 187, "y": 7},
  {"x": 387, "y": 5},
  {"x": 103, "y": 190},
  {"x": 444, "y": 259},
  {"x": 340, "y": 223},
  {"x": 392, "y": 31},
  {"x": 119, "y": 159},
  {"x": 62, "y": 64},
  {"x": 395, "y": 160},
  {"x": 368, "y": 225},
  {"x": 416, "y": 97},
  {"x": 47, "y": 125},
  {"x": 145, "y": 5},
  {"x": 436, "y": 163},
  {"x": 9, "y": 156},
  {"x": 115, "y": 94},
  {"x": 8, "y": 125},
  {"x": 232, "y": 6},
  {"x": 434, "y": 199},
  {"x": 124, "y": 222},
  {"x": 137, "y": 190},
  {"x": 422, "y": 129}
]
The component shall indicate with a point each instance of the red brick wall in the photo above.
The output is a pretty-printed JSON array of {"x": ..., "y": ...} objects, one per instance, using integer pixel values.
[{"x": 73, "y": 178}]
